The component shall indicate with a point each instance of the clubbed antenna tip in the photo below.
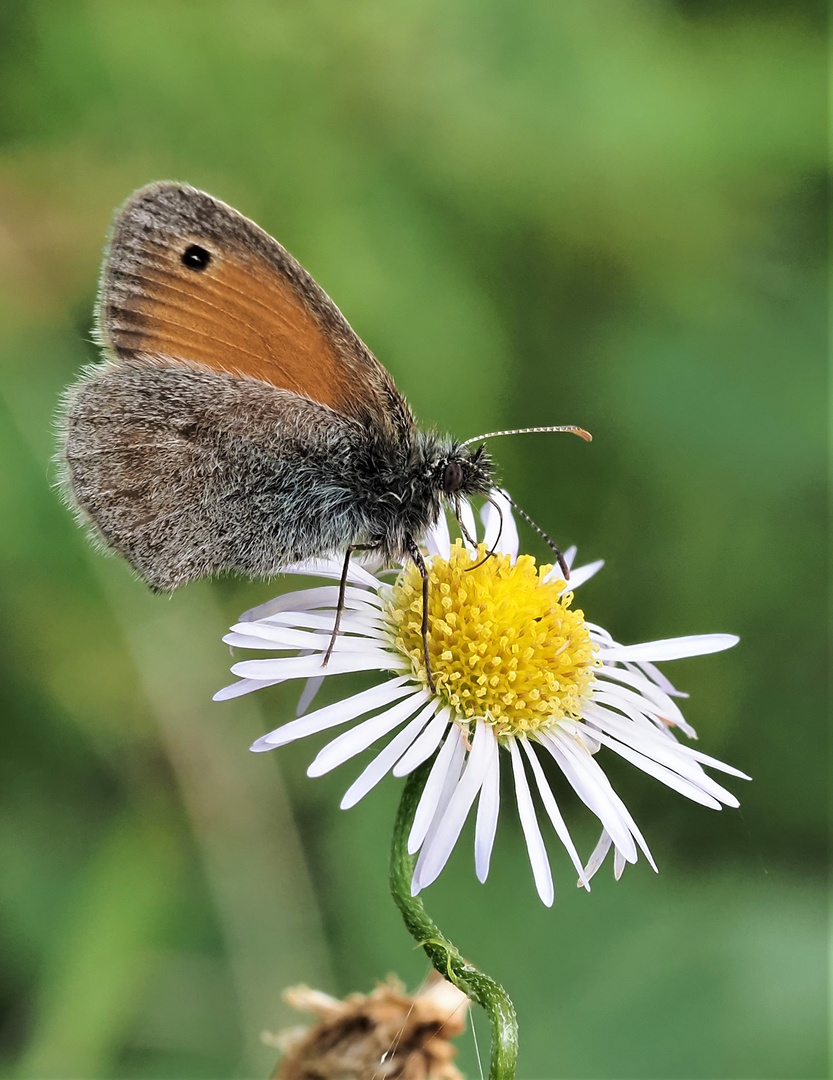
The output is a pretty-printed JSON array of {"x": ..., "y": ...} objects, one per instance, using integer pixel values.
[{"x": 573, "y": 428}]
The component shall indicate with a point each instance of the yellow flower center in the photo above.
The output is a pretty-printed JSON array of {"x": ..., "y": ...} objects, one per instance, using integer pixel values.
[{"x": 504, "y": 644}]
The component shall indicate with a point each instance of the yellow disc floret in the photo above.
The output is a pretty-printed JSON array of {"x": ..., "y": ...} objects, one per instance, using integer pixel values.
[{"x": 504, "y": 643}]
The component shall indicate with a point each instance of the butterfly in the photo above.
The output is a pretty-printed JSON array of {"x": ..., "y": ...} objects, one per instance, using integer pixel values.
[{"x": 236, "y": 423}]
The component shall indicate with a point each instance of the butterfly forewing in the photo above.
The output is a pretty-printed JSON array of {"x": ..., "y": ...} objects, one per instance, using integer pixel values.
[{"x": 188, "y": 279}]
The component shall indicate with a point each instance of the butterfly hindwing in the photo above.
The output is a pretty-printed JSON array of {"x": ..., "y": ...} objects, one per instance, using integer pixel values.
[{"x": 190, "y": 473}]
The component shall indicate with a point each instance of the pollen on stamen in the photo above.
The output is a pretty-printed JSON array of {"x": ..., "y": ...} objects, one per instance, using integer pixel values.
[{"x": 505, "y": 644}]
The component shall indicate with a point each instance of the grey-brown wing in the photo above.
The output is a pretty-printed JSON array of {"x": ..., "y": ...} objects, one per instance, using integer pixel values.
[
  {"x": 192, "y": 473},
  {"x": 188, "y": 278}
]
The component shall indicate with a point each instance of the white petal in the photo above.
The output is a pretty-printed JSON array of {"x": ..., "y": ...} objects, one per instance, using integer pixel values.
[
  {"x": 357, "y": 739},
  {"x": 366, "y": 621},
  {"x": 692, "y": 791},
  {"x": 332, "y": 568},
  {"x": 504, "y": 528},
  {"x": 467, "y": 518},
  {"x": 424, "y": 746},
  {"x": 584, "y": 573},
  {"x": 244, "y": 686},
  {"x": 532, "y": 834},
  {"x": 308, "y": 694},
  {"x": 308, "y": 599},
  {"x": 491, "y": 525},
  {"x": 598, "y": 633},
  {"x": 596, "y": 859},
  {"x": 488, "y": 807},
  {"x": 438, "y": 539},
  {"x": 597, "y": 775},
  {"x": 275, "y": 638},
  {"x": 430, "y": 797},
  {"x": 591, "y": 793},
  {"x": 658, "y": 699},
  {"x": 618, "y": 864},
  {"x": 338, "y": 713},
  {"x": 643, "y": 718},
  {"x": 302, "y": 667},
  {"x": 651, "y": 742},
  {"x": 245, "y": 641},
  {"x": 381, "y": 765},
  {"x": 437, "y": 849},
  {"x": 452, "y": 779},
  {"x": 568, "y": 556},
  {"x": 577, "y": 576},
  {"x": 641, "y": 710},
  {"x": 662, "y": 681},
  {"x": 671, "y": 648},
  {"x": 551, "y": 807}
]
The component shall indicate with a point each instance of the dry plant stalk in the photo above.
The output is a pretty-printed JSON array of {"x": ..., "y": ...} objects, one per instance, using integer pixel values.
[{"x": 384, "y": 1035}]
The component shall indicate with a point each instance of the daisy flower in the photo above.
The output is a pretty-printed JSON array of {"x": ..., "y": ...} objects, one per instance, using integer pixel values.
[{"x": 519, "y": 674}]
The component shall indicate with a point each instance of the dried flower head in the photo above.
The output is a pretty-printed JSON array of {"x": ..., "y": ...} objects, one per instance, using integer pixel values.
[{"x": 383, "y": 1035}]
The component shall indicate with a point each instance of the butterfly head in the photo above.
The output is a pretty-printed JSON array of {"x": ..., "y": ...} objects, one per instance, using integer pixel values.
[
  {"x": 461, "y": 473},
  {"x": 409, "y": 495}
]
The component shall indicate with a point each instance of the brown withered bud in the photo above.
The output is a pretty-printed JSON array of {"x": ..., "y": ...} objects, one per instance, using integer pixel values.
[{"x": 384, "y": 1035}]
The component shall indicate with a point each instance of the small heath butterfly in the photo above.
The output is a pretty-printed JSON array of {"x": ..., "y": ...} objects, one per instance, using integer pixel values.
[{"x": 236, "y": 423}]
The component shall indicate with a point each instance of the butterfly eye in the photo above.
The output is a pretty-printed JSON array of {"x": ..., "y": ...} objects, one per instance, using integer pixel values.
[
  {"x": 196, "y": 257},
  {"x": 452, "y": 477}
]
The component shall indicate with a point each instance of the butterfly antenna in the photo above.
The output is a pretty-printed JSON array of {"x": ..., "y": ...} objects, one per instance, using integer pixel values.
[
  {"x": 490, "y": 553},
  {"x": 565, "y": 569},
  {"x": 531, "y": 431}
]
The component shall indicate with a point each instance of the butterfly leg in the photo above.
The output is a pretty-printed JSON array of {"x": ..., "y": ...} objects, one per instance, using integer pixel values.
[
  {"x": 473, "y": 543},
  {"x": 419, "y": 561},
  {"x": 469, "y": 539},
  {"x": 342, "y": 592}
]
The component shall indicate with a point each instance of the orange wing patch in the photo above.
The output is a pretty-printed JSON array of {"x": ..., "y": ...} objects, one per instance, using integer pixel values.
[{"x": 236, "y": 314}]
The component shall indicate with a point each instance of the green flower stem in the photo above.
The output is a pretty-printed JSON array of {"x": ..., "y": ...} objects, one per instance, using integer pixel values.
[{"x": 441, "y": 952}]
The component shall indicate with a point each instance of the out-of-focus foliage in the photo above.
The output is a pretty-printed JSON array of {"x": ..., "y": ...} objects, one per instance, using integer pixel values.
[{"x": 607, "y": 213}]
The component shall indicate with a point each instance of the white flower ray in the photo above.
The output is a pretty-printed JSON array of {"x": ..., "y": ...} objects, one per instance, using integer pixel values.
[
  {"x": 658, "y": 699},
  {"x": 321, "y": 596},
  {"x": 427, "y": 807},
  {"x": 650, "y": 741},
  {"x": 591, "y": 794},
  {"x": 551, "y": 806},
  {"x": 381, "y": 765},
  {"x": 506, "y": 538},
  {"x": 670, "y": 648},
  {"x": 243, "y": 686},
  {"x": 437, "y": 848},
  {"x": 596, "y": 859},
  {"x": 359, "y": 738},
  {"x": 302, "y": 667},
  {"x": 488, "y": 809},
  {"x": 282, "y": 637},
  {"x": 438, "y": 539},
  {"x": 452, "y": 779},
  {"x": 541, "y": 873},
  {"x": 596, "y": 775},
  {"x": 424, "y": 746},
  {"x": 340, "y": 712}
]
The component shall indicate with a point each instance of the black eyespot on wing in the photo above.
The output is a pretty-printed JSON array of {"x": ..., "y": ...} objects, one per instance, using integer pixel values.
[
  {"x": 196, "y": 257},
  {"x": 452, "y": 477}
]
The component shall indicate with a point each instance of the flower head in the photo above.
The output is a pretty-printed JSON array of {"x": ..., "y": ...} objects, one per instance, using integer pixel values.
[
  {"x": 505, "y": 645},
  {"x": 518, "y": 671}
]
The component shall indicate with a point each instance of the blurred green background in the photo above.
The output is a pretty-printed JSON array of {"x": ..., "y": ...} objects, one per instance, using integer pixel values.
[{"x": 608, "y": 213}]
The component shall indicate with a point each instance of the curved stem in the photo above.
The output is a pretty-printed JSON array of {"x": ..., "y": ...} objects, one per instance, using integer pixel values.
[{"x": 442, "y": 953}]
